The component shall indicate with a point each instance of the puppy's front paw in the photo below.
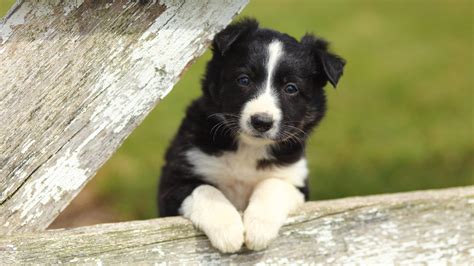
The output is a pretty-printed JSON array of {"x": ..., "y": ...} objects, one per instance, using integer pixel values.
[
  {"x": 210, "y": 211},
  {"x": 227, "y": 232},
  {"x": 259, "y": 230}
]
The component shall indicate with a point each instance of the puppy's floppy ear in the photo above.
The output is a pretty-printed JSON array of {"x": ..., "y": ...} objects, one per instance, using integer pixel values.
[
  {"x": 333, "y": 65},
  {"x": 224, "y": 39}
]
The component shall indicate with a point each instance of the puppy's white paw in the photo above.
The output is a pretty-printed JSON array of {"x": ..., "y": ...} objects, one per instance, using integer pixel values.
[
  {"x": 259, "y": 230},
  {"x": 210, "y": 211},
  {"x": 226, "y": 233}
]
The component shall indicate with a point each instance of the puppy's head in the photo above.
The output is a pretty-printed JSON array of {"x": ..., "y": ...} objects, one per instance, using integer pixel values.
[{"x": 267, "y": 86}]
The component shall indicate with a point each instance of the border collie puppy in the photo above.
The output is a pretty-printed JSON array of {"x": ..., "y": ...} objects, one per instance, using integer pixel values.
[{"x": 237, "y": 167}]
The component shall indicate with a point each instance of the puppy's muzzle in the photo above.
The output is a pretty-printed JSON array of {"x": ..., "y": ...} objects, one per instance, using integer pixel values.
[{"x": 262, "y": 122}]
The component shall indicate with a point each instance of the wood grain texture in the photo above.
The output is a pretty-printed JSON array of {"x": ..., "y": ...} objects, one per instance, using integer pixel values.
[
  {"x": 405, "y": 228},
  {"x": 76, "y": 78}
]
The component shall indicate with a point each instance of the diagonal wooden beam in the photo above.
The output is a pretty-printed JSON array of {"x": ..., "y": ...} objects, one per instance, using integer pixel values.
[{"x": 76, "y": 77}]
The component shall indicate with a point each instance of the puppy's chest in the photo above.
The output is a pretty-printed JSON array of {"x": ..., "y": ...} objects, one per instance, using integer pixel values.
[{"x": 236, "y": 173}]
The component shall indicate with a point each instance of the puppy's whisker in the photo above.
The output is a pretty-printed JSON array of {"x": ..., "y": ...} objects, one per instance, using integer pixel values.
[
  {"x": 291, "y": 138},
  {"x": 223, "y": 115},
  {"x": 222, "y": 126},
  {"x": 229, "y": 126},
  {"x": 215, "y": 130},
  {"x": 212, "y": 129},
  {"x": 296, "y": 136},
  {"x": 297, "y": 129},
  {"x": 235, "y": 130}
]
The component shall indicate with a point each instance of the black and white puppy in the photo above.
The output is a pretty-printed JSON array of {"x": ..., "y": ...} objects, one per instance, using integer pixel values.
[{"x": 240, "y": 148}]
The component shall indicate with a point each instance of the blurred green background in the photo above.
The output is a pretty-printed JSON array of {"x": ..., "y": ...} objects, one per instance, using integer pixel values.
[{"x": 401, "y": 118}]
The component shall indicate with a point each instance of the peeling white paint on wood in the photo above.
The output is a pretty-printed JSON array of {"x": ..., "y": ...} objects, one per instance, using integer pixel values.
[
  {"x": 77, "y": 77},
  {"x": 27, "y": 145},
  {"x": 432, "y": 227}
]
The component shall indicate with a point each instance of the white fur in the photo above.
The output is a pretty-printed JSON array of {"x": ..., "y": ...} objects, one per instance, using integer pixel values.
[
  {"x": 266, "y": 196},
  {"x": 210, "y": 211},
  {"x": 266, "y": 101},
  {"x": 236, "y": 173},
  {"x": 271, "y": 202}
]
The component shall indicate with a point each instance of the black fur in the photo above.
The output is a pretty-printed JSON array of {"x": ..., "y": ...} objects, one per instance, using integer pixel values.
[{"x": 240, "y": 48}]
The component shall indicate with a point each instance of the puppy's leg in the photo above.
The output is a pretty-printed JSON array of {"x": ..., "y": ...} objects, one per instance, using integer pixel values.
[
  {"x": 271, "y": 202},
  {"x": 210, "y": 211}
]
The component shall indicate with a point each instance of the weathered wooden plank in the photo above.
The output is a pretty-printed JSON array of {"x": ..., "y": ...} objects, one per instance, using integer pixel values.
[
  {"x": 76, "y": 78},
  {"x": 405, "y": 228}
]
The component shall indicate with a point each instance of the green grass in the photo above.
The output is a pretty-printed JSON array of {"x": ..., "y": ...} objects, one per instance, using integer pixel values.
[
  {"x": 4, "y": 6},
  {"x": 401, "y": 118}
]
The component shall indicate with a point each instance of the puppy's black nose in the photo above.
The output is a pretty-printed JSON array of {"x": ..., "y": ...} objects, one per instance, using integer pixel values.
[{"x": 262, "y": 122}]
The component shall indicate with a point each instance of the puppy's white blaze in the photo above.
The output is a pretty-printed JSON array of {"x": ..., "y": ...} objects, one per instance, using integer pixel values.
[
  {"x": 275, "y": 51},
  {"x": 210, "y": 211},
  {"x": 266, "y": 101}
]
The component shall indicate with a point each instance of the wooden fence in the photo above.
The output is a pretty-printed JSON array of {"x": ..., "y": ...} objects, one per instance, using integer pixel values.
[
  {"x": 77, "y": 77},
  {"x": 406, "y": 228}
]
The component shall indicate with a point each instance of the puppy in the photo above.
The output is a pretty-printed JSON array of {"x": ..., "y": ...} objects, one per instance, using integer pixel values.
[{"x": 240, "y": 148}]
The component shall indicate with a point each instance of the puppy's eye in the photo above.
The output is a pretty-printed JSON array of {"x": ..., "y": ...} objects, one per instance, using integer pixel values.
[
  {"x": 243, "y": 80},
  {"x": 291, "y": 88}
]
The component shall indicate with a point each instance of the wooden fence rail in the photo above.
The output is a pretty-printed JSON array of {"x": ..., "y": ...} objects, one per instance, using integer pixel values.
[{"x": 405, "y": 228}]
